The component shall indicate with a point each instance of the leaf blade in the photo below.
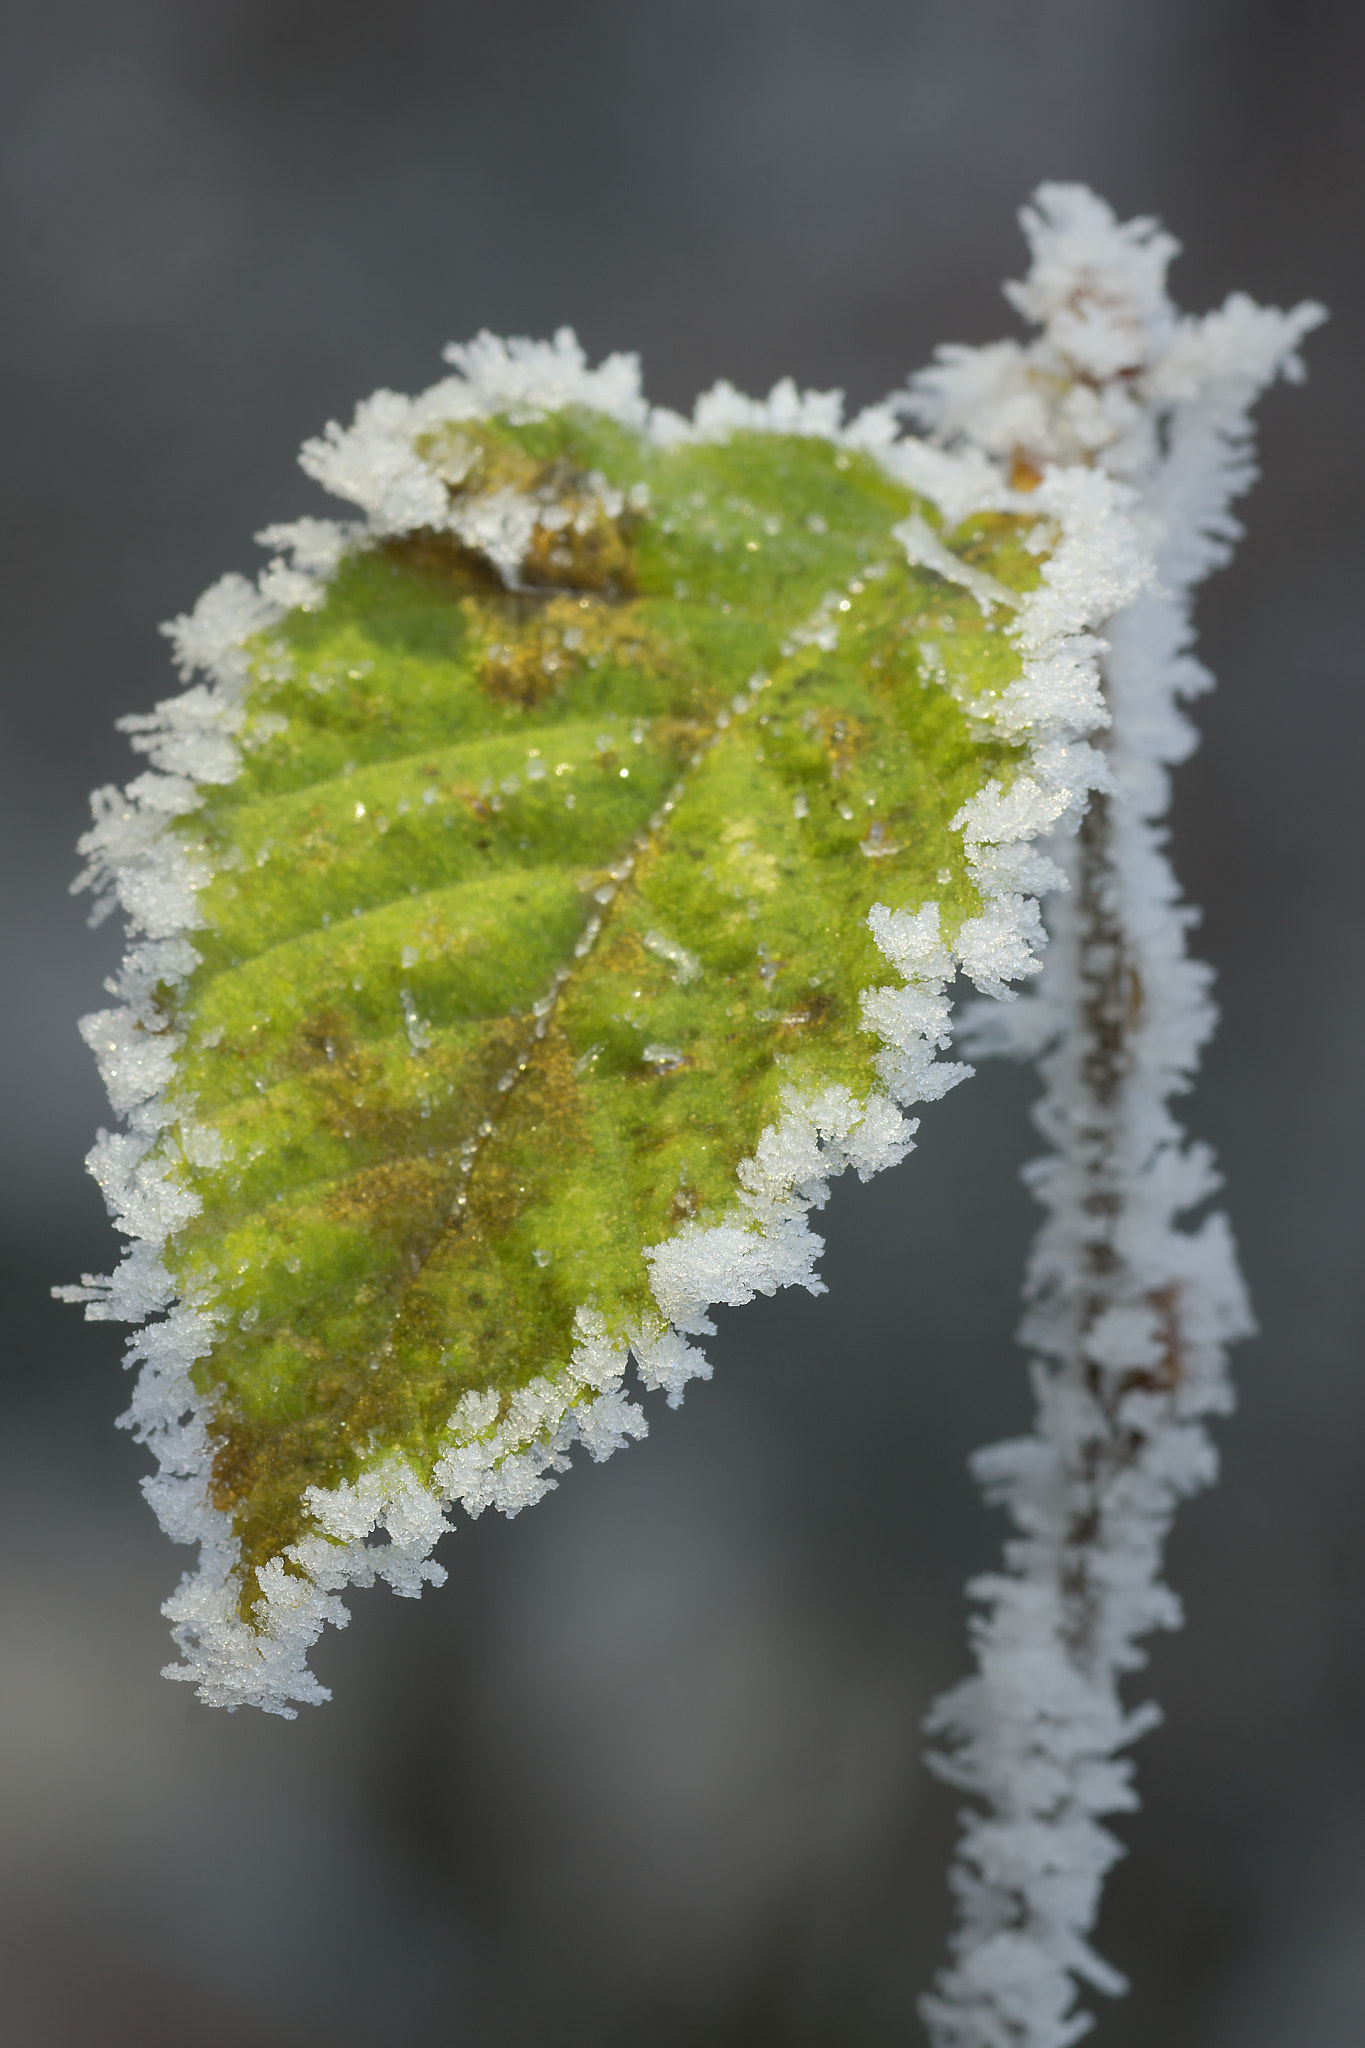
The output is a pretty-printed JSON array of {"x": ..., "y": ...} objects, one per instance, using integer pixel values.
[{"x": 490, "y": 1015}]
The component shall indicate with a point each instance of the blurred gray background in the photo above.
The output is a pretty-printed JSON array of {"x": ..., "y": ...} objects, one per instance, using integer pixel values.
[{"x": 646, "y": 1770}]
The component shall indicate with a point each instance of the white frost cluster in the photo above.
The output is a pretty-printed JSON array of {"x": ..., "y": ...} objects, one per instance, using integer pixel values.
[
  {"x": 1129, "y": 1313},
  {"x": 387, "y": 1523}
]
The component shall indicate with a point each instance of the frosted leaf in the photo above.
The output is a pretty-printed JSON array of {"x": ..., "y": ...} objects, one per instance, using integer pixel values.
[{"x": 559, "y": 874}]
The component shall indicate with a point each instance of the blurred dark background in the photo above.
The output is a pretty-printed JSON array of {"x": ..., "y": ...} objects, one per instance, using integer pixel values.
[{"x": 646, "y": 1770}]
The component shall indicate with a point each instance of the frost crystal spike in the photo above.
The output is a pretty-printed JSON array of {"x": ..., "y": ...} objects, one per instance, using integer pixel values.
[{"x": 1129, "y": 1311}]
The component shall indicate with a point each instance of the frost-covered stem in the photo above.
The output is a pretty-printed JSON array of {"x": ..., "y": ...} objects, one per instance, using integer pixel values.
[
  {"x": 1095, "y": 1137},
  {"x": 1128, "y": 1320},
  {"x": 1129, "y": 1310},
  {"x": 1100, "y": 1057}
]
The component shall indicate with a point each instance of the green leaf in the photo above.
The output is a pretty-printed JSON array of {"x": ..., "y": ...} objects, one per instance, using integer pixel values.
[{"x": 531, "y": 937}]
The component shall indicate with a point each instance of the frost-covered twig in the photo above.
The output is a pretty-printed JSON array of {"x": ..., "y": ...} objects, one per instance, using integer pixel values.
[{"x": 1129, "y": 1310}]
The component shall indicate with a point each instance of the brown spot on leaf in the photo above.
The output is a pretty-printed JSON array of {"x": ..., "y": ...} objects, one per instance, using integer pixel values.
[
  {"x": 532, "y": 647},
  {"x": 576, "y": 543},
  {"x": 811, "y": 1012},
  {"x": 321, "y": 1039},
  {"x": 441, "y": 556},
  {"x": 840, "y": 734}
]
